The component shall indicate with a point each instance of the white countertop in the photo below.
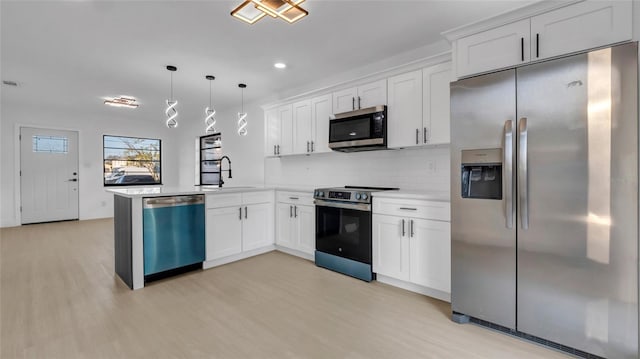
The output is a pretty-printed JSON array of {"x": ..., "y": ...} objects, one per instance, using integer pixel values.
[
  {"x": 161, "y": 191},
  {"x": 442, "y": 196}
]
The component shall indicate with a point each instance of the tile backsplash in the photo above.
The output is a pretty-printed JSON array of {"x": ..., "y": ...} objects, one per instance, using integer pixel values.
[{"x": 407, "y": 169}]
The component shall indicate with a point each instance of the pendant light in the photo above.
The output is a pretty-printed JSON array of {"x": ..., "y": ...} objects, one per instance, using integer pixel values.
[
  {"x": 171, "y": 111},
  {"x": 242, "y": 116},
  {"x": 210, "y": 112},
  {"x": 250, "y": 11}
]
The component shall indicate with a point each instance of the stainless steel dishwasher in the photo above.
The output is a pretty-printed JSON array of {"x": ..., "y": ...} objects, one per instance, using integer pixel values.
[{"x": 173, "y": 234}]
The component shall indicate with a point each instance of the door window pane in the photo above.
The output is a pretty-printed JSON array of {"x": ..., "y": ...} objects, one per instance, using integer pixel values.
[{"x": 50, "y": 144}]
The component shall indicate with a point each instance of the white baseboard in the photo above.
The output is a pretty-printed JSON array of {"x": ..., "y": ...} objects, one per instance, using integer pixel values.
[
  {"x": 295, "y": 252},
  {"x": 237, "y": 257},
  {"x": 415, "y": 288}
]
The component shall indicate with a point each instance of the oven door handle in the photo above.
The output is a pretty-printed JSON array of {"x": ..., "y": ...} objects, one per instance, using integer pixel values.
[{"x": 343, "y": 205}]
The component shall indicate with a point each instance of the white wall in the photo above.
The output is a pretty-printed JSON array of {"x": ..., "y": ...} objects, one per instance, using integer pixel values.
[
  {"x": 245, "y": 152},
  {"x": 94, "y": 201},
  {"x": 410, "y": 169}
]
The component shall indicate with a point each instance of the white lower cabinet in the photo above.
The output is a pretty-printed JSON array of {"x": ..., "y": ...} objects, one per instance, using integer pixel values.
[
  {"x": 430, "y": 254},
  {"x": 409, "y": 247},
  {"x": 296, "y": 222},
  {"x": 224, "y": 232},
  {"x": 237, "y": 223},
  {"x": 390, "y": 247}
]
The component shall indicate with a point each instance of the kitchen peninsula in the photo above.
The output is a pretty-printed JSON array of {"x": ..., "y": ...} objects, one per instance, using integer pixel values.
[{"x": 194, "y": 215}]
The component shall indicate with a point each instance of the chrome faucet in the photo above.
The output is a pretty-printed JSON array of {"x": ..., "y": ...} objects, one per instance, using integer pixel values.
[{"x": 221, "y": 182}]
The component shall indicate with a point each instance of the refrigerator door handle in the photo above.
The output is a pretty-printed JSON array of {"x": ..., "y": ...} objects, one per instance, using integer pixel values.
[
  {"x": 508, "y": 173},
  {"x": 523, "y": 188}
]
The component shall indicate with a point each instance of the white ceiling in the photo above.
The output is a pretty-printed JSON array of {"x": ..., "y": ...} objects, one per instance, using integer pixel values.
[{"x": 68, "y": 55}]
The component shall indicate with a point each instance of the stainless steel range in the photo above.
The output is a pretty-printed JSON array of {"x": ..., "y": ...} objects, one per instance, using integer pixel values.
[{"x": 343, "y": 230}]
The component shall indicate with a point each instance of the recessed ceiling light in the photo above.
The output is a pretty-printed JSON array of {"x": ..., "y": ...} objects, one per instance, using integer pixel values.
[
  {"x": 122, "y": 101},
  {"x": 280, "y": 65},
  {"x": 10, "y": 83}
]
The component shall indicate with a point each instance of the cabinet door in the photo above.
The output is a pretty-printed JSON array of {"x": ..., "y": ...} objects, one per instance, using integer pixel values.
[
  {"x": 321, "y": 108},
  {"x": 306, "y": 228},
  {"x": 581, "y": 26},
  {"x": 345, "y": 100},
  {"x": 284, "y": 230},
  {"x": 372, "y": 94},
  {"x": 430, "y": 247},
  {"x": 504, "y": 46},
  {"x": 302, "y": 127},
  {"x": 404, "y": 112},
  {"x": 272, "y": 133},
  {"x": 435, "y": 110},
  {"x": 257, "y": 226},
  {"x": 224, "y": 232},
  {"x": 286, "y": 129},
  {"x": 390, "y": 246}
]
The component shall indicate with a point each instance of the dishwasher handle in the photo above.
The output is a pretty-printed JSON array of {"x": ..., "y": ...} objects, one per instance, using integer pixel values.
[{"x": 172, "y": 201}]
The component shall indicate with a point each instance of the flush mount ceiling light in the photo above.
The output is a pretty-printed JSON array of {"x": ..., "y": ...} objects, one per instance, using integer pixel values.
[
  {"x": 171, "y": 111},
  {"x": 280, "y": 65},
  {"x": 250, "y": 11},
  {"x": 242, "y": 116},
  {"x": 122, "y": 101},
  {"x": 210, "y": 112}
]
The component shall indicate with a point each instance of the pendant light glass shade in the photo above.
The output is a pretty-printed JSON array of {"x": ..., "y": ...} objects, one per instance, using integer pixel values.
[
  {"x": 210, "y": 112},
  {"x": 170, "y": 111},
  {"x": 242, "y": 116}
]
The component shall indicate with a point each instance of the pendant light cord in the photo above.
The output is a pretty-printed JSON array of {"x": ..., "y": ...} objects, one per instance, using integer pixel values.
[
  {"x": 210, "y": 93},
  {"x": 242, "y": 96},
  {"x": 171, "y": 81}
]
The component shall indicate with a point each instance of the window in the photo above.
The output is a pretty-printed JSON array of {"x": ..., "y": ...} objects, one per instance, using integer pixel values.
[
  {"x": 131, "y": 161},
  {"x": 50, "y": 144}
]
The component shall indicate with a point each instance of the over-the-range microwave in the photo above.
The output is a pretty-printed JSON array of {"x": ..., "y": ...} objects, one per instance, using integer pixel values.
[{"x": 360, "y": 130}]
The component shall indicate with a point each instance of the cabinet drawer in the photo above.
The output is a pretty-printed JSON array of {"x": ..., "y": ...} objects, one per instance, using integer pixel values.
[
  {"x": 257, "y": 197},
  {"x": 223, "y": 200},
  {"x": 413, "y": 208},
  {"x": 301, "y": 198}
]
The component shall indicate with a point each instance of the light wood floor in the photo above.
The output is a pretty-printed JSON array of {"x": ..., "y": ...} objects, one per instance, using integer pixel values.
[{"x": 61, "y": 299}]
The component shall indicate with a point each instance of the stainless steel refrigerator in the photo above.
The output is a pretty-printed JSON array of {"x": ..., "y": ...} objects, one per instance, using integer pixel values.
[{"x": 544, "y": 195}]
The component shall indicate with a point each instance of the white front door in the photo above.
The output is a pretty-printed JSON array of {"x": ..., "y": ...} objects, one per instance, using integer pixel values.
[{"x": 48, "y": 175}]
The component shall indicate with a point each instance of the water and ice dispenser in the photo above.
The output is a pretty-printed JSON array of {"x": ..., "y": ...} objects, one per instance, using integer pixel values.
[{"x": 482, "y": 173}]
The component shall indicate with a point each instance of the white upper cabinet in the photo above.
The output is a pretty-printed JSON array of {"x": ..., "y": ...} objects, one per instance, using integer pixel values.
[
  {"x": 272, "y": 131},
  {"x": 404, "y": 111},
  {"x": 558, "y": 31},
  {"x": 435, "y": 103},
  {"x": 504, "y": 46},
  {"x": 345, "y": 100},
  {"x": 286, "y": 129},
  {"x": 372, "y": 94},
  {"x": 418, "y": 107},
  {"x": 320, "y": 114},
  {"x": 367, "y": 95},
  {"x": 579, "y": 27},
  {"x": 302, "y": 135}
]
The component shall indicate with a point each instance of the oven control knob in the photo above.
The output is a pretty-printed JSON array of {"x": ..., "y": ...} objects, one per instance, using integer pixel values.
[
  {"x": 358, "y": 196},
  {"x": 339, "y": 249},
  {"x": 364, "y": 196}
]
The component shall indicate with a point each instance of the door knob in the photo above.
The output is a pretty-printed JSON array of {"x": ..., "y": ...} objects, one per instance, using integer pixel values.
[{"x": 73, "y": 180}]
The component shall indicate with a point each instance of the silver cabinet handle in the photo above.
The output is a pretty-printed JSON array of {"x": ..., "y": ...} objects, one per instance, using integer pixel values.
[
  {"x": 312, "y": 147},
  {"x": 359, "y": 107},
  {"x": 290, "y": 211},
  {"x": 523, "y": 188},
  {"x": 403, "y": 228},
  {"x": 274, "y": 150},
  {"x": 278, "y": 151},
  {"x": 424, "y": 134},
  {"x": 508, "y": 172},
  {"x": 295, "y": 211},
  {"x": 240, "y": 213},
  {"x": 411, "y": 228},
  {"x": 408, "y": 209},
  {"x": 246, "y": 212},
  {"x": 353, "y": 103},
  {"x": 307, "y": 146},
  {"x": 293, "y": 198},
  {"x": 417, "y": 135}
]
